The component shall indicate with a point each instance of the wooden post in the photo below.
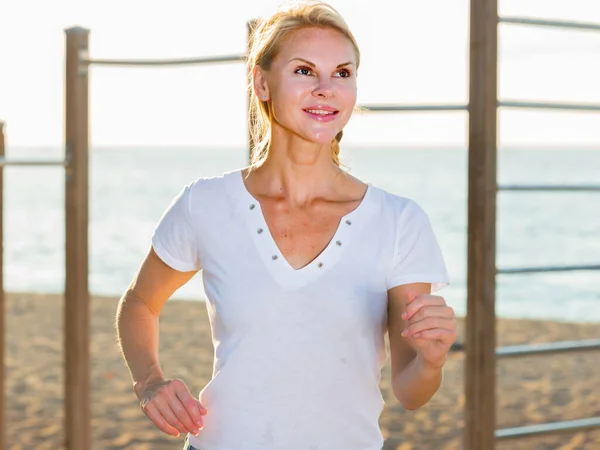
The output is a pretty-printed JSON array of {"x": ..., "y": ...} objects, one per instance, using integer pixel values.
[
  {"x": 480, "y": 381},
  {"x": 251, "y": 26},
  {"x": 76, "y": 316},
  {"x": 2, "y": 302}
]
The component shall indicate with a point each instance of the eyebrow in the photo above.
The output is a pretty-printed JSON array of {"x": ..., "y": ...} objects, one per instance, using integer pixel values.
[{"x": 312, "y": 65}]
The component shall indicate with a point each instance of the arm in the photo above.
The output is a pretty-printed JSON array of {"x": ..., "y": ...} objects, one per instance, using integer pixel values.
[
  {"x": 138, "y": 316},
  {"x": 417, "y": 359},
  {"x": 137, "y": 324}
]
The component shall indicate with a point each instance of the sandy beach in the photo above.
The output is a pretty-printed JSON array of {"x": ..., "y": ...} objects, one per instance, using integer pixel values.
[{"x": 530, "y": 390}]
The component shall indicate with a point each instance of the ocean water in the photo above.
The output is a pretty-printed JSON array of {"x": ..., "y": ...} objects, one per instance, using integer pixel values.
[{"x": 130, "y": 189}]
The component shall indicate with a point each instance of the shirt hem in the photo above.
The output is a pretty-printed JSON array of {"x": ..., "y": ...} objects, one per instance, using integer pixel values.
[
  {"x": 438, "y": 281},
  {"x": 174, "y": 263}
]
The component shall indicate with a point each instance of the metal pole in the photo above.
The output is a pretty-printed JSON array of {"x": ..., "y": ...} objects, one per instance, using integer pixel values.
[
  {"x": 480, "y": 381},
  {"x": 551, "y": 23},
  {"x": 163, "y": 62},
  {"x": 77, "y": 352},
  {"x": 31, "y": 162}
]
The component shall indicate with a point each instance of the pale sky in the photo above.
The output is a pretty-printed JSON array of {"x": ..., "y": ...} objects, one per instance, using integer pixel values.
[{"x": 412, "y": 52}]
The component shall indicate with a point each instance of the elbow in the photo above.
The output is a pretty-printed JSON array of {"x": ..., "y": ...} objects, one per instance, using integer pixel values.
[
  {"x": 413, "y": 396},
  {"x": 131, "y": 302},
  {"x": 410, "y": 404}
]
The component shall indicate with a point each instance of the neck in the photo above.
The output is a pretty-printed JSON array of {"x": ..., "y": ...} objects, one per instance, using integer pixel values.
[{"x": 297, "y": 170}]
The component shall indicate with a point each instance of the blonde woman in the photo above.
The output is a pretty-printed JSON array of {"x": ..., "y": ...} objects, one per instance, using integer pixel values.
[{"x": 305, "y": 269}]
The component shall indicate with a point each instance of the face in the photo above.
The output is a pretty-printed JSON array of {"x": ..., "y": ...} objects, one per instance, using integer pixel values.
[{"x": 311, "y": 84}]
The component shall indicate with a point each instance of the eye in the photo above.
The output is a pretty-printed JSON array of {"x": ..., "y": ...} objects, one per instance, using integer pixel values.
[
  {"x": 307, "y": 69},
  {"x": 347, "y": 73}
]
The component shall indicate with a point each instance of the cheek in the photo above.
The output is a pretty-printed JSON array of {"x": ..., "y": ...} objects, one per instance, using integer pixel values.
[
  {"x": 349, "y": 93},
  {"x": 288, "y": 94},
  {"x": 347, "y": 96}
]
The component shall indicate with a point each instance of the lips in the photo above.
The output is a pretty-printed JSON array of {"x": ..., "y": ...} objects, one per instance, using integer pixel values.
[
  {"x": 321, "y": 108},
  {"x": 322, "y": 117}
]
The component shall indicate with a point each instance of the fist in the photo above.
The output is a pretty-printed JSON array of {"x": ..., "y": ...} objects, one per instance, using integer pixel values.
[{"x": 430, "y": 327}]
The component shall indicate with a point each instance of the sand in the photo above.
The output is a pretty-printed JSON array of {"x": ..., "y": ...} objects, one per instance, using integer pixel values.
[{"x": 530, "y": 390}]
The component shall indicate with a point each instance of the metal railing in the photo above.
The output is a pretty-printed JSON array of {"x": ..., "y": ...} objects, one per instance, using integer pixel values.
[
  {"x": 554, "y": 347},
  {"x": 422, "y": 107},
  {"x": 545, "y": 269},
  {"x": 547, "y": 348},
  {"x": 550, "y": 23},
  {"x": 33, "y": 162},
  {"x": 566, "y": 426},
  {"x": 564, "y": 188},
  {"x": 161, "y": 62}
]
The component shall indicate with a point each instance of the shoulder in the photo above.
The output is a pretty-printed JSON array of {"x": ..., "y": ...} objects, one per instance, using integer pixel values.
[
  {"x": 210, "y": 184},
  {"x": 399, "y": 207},
  {"x": 209, "y": 192}
]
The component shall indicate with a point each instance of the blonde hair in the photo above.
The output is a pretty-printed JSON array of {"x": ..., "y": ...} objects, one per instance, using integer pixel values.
[{"x": 266, "y": 40}]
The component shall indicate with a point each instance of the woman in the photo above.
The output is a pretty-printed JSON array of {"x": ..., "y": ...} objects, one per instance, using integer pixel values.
[{"x": 305, "y": 268}]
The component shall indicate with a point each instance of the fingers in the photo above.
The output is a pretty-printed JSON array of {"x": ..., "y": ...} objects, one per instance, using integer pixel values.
[
  {"x": 157, "y": 418},
  {"x": 189, "y": 410},
  {"x": 429, "y": 311},
  {"x": 441, "y": 334},
  {"x": 417, "y": 302},
  {"x": 421, "y": 328},
  {"x": 167, "y": 409},
  {"x": 174, "y": 410}
]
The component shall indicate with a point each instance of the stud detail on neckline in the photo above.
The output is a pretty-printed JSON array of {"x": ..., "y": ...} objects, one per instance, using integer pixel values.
[
  {"x": 320, "y": 265},
  {"x": 274, "y": 257},
  {"x": 348, "y": 222},
  {"x": 252, "y": 206},
  {"x": 338, "y": 243},
  {"x": 259, "y": 231}
]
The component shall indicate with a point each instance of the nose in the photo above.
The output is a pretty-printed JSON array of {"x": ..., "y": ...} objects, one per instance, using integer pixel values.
[{"x": 324, "y": 88}]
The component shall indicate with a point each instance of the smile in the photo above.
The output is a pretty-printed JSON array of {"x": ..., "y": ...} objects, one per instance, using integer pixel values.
[{"x": 320, "y": 115}]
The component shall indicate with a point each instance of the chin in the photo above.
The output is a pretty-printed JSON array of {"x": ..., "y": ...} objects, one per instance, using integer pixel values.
[{"x": 322, "y": 138}]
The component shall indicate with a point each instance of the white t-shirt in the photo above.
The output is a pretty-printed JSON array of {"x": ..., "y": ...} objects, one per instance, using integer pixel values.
[{"x": 297, "y": 353}]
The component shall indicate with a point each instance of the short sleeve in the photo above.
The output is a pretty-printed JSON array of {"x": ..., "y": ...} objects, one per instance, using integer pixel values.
[
  {"x": 174, "y": 239},
  {"x": 417, "y": 255}
]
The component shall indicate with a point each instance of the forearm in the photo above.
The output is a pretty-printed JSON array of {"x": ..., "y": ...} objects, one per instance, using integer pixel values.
[
  {"x": 416, "y": 383},
  {"x": 138, "y": 337}
]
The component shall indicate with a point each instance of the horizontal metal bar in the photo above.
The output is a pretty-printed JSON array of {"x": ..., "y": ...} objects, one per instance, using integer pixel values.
[
  {"x": 503, "y": 103},
  {"x": 569, "y": 188},
  {"x": 164, "y": 62},
  {"x": 546, "y": 269},
  {"x": 511, "y": 351},
  {"x": 550, "y": 23},
  {"x": 31, "y": 162},
  {"x": 549, "y": 105},
  {"x": 389, "y": 108},
  {"x": 548, "y": 428}
]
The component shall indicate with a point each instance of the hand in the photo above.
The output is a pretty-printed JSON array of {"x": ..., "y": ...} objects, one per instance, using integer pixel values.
[
  {"x": 171, "y": 407},
  {"x": 431, "y": 327}
]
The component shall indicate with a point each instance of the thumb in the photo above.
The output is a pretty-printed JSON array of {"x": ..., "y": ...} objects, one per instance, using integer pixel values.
[
  {"x": 203, "y": 410},
  {"x": 410, "y": 296}
]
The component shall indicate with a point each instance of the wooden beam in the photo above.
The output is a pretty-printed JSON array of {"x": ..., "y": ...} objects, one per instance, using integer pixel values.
[
  {"x": 2, "y": 299},
  {"x": 76, "y": 311},
  {"x": 480, "y": 382}
]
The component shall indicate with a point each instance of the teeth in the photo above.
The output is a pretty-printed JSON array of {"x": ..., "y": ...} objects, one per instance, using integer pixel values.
[{"x": 318, "y": 111}]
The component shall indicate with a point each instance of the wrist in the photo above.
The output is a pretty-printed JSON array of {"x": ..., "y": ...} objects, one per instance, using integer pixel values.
[
  {"x": 432, "y": 368},
  {"x": 154, "y": 376}
]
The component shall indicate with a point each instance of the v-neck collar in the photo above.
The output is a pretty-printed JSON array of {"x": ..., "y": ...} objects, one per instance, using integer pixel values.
[{"x": 282, "y": 271}]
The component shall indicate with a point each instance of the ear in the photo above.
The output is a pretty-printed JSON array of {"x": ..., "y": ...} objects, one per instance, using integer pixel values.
[{"x": 261, "y": 87}]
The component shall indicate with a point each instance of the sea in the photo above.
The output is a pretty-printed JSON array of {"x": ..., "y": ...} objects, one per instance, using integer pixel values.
[{"x": 131, "y": 187}]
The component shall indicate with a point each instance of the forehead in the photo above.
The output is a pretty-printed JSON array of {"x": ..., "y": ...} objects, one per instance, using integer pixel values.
[{"x": 317, "y": 45}]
